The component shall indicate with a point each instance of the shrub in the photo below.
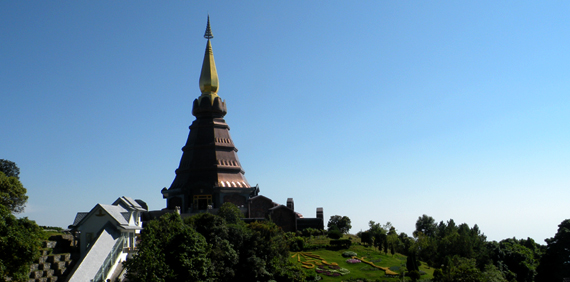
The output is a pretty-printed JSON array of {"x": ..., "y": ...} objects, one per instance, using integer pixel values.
[
  {"x": 341, "y": 243},
  {"x": 349, "y": 254},
  {"x": 296, "y": 244},
  {"x": 414, "y": 275},
  {"x": 334, "y": 234},
  {"x": 312, "y": 247}
]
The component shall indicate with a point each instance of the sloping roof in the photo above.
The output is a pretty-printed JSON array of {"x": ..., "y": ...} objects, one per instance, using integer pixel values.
[
  {"x": 78, "y": 217},
  {"x": 96, "y": 255},
  {"x": 116, "y": 212},
  {"x": 128, "y": 203},
  {"x": 263, "y": 197},
  {"x": 119, "y": 211},
  {"x": 283, "y": 207}
]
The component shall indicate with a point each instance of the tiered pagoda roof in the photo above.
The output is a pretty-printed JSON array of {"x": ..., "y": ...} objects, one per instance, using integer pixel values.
[{"x": 209, "y": 167}]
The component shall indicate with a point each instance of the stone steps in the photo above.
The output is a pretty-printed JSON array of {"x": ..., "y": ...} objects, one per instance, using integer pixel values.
[{"x": 53, "y": 265}]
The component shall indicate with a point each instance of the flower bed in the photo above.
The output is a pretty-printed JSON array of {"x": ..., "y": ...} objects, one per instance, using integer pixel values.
[
  {"x": 320, "y": 265},
  {"x": 349, "y": 254},
  {"x": 352, "y": 260},
  {"x": 331, "y": 270}
]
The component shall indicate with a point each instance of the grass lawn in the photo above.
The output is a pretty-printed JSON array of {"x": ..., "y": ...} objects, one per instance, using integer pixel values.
[{"x": 362, "y": 270}]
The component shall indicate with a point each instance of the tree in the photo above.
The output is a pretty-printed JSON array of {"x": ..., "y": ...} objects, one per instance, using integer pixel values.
[
  {"x": 426, "y": 225},
  {"x": 334, "y": 233},
  {"x": 493, "y": 274},
  {"x": 230, "y": 213},
  {"x": 20, "y": 242},
  {"x": 378, "y": 233},
  {"x": 169, "y": 251},
  {"x": 404, "y": 244},
  {"x": 412, "y": 262},
  {"x": 220, "y": 236},
  {"x": 12, "y": 193},
  {"x": 9, "y": 168},
  {"x": 516, "y": 260},
  {"x": 459, "y": 269},
  {"x": 554, "y": 264},
  {"x": 366, "y": 238},
  {"x": 235, "y": 252},
  {"x": 341, "y": 222},
  {"x": 392, "y": 240}
]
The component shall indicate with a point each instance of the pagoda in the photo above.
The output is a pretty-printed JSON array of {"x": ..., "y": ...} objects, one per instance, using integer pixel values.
[{"x": 209, "y": 173}]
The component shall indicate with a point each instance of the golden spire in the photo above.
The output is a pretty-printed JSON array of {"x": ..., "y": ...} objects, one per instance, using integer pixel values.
[{"x": 209, "y": 76}]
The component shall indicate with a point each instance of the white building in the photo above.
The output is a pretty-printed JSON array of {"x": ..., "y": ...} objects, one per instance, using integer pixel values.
[{"x": 106, "y": 234}]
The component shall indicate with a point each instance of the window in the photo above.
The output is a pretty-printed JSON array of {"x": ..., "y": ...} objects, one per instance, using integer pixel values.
[
  {"x": 88, "y": 239},
  {"x": 201, "y": 202}
]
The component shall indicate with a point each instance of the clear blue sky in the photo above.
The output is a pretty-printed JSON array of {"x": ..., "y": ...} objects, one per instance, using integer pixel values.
[{"x": 377, "y": 110}]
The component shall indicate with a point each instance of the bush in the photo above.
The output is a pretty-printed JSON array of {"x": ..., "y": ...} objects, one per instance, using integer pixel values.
[
  {"x": 334, "y": 234},
  {"x": 349, "y": 254},
  {"x": 414, "y": 275},
  {"x": 296, "y": 244},
  {"x": 313, "y": 247},
  {"x": 341, "y": 243}
]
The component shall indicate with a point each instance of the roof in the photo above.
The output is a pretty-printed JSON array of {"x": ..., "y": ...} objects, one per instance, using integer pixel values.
[
  {"x": 119, "y": 211},
  {"x": 98, "y": 252},
  {"x": 128, "y": 202},
  {"x": 116, "y": 212},
  {"x": 78, "y": 217},
  {"x": 283, "y": 207},
  {"x": 263, "y": 197}
]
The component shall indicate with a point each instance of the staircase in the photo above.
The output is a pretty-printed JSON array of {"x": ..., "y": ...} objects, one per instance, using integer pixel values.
[{"x": 57, "y": 258}]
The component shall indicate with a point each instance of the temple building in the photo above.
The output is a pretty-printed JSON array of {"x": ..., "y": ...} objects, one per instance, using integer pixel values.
[{"x": 210, "y": 174}]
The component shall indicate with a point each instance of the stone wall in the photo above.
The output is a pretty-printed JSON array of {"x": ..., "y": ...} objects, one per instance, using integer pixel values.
[{"x": 57, "y": 259}]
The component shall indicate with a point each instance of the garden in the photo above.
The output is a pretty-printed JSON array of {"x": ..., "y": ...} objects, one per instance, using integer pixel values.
[{"x": 355, "y": 263}]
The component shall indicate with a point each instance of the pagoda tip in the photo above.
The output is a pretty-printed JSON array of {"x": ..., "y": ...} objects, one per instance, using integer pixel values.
[{"x": 208, "y": 35}]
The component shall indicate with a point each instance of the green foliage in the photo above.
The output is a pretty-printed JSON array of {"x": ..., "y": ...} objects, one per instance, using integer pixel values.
[
  {"x": 554, "y": 263},
  {"x": 404, "y": 243},
  {"x": 341, "y": 243},
  {"x": 334, "y": 233},
  {"x": 9, "y": 168},
  {"x": 221, "y": 252},
  {"x": 426, "y": 225},
  {"x": 448, "y": 240},
  {"x": 20, "y": 242},
  {"x": 12, "y": 193},
  {"x": 54, "y": 228},
  {"x": 361, "y": 271},
  {"x": 518, "y": 259},
  {"x": 224, "y": 240},
  {"x": 341, "y": 222},
  {"x": 379, "y": 235},
  {"x": 412, "y": 263},
  {"x": 169, "y": 251},
  {"x": 493, "y": 274},
  {"x": 464, "y": 269},
  {"x": 296, "y": 244},
  {"x": 349, "y": 254},
  {"x": 267, "y": 252},
  {"x": 366, "y": 238},
  {"x": 414, "y": 275},
  {"x": 230, "y": 213},
  {"x": 459, "y": 269},
  {"x": 308, "y": 232}
]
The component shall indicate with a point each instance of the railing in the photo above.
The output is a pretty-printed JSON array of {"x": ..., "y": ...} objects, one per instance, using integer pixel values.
[{"x": 110, "y": 260}]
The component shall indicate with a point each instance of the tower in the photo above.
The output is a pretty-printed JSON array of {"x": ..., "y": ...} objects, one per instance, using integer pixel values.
[{"x": 209, "y": 173}]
